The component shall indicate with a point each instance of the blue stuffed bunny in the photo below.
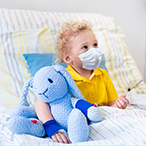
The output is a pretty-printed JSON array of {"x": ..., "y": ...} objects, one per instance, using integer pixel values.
[{"x": 71, "y": 113}]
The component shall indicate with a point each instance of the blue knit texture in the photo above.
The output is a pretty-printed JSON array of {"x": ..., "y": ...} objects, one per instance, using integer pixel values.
[
  {"x": 23, "y": 97},
  {"x": 22, "y": 125},
  {"x": 52, "y": 127},
  {"x": 83, "y": 106},
  {"x": 53, "y": 85},
  {"x": 92, "y": 113},
  {"x": 23, "y": 118}
]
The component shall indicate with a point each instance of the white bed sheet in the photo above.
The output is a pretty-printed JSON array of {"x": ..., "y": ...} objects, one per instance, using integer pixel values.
[{"x": 118, "y": 127}]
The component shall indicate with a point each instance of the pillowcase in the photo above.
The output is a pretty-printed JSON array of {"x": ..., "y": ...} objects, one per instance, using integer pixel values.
[{"x": 36, "y": 61}]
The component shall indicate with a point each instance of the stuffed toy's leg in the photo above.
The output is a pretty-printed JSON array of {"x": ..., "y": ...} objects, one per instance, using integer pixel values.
[
  {"x": 78, "y": 129},
  {"x": 23, "y": 111},
  {"x": 24, "y": 121},
  {"x": 22, "y": 125},
  {"x": 91, "y": 111}
]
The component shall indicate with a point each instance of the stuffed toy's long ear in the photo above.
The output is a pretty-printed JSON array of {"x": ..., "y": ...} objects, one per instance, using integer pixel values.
[
  {"x": 23, "y": 97},
  {"x": 72, "y": 85}
]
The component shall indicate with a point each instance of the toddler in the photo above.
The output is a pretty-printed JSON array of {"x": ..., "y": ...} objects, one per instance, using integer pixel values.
[{"x": 78, "y": 47}]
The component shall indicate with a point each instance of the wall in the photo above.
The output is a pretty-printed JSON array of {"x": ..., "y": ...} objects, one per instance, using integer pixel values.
[{"x": 129, "y": 14}]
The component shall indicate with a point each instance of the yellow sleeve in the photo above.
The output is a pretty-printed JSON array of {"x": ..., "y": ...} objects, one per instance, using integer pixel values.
[{"x": 111, "y": 91}]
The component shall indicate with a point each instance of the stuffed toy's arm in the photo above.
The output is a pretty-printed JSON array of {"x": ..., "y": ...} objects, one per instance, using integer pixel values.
[
  {"x": 71, "y": 83},
  {"x": 52, "y": 127},
  {"x": 91, "y": 111}
]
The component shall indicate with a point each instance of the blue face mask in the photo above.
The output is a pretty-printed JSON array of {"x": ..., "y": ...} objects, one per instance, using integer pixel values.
[{"x": 91, "y": 59}]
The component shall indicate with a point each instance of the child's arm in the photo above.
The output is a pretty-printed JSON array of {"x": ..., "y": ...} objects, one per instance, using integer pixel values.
[
  {"x": 43, "y": 111},
  {"x": 44, "y": 114}
]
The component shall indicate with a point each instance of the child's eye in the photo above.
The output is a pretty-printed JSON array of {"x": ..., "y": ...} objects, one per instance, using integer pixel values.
[
  {"x": 95, "y": 45},
  {"x": 85, "y": 47}
]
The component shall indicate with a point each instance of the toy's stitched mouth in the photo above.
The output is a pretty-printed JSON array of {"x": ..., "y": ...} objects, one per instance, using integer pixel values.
[{"x": 44, "y": 93}]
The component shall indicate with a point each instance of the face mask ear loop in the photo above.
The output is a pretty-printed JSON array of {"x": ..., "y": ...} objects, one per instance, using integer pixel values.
[{"x": 76, "y": 63}]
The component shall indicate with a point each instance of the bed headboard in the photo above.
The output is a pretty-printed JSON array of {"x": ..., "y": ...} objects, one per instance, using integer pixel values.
[{"x": 130, "y": 15}]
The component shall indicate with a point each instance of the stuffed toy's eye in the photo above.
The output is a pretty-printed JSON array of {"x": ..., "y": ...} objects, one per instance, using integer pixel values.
[{"x": 50, "y": 80}]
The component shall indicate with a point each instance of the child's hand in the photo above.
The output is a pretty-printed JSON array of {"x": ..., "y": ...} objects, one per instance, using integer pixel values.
[
  {"x": 61, "y": 137},
  {"x": 121, "y": 102}
]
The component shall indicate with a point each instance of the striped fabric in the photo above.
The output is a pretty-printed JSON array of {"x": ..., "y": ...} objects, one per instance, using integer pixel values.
[
  {"x": 119, "y": 127},
  {"x": 25, "y": 31}
]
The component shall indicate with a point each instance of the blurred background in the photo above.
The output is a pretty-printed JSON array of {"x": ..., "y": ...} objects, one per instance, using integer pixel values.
[{"x": 129, "y": 14}]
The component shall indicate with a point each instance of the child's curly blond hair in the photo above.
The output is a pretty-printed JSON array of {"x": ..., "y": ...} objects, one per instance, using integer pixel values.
[{"x": 68, "y": 30}]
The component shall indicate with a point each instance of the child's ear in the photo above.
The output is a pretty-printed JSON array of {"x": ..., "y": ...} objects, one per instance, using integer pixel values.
[{"x": 66, "y": 59}]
